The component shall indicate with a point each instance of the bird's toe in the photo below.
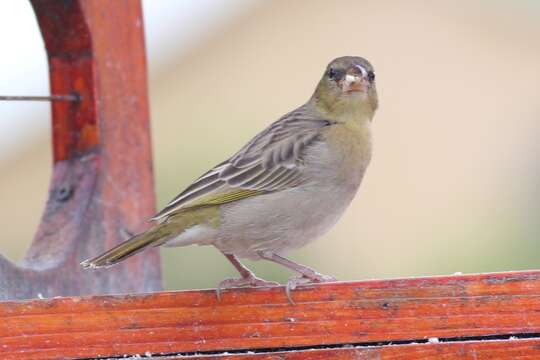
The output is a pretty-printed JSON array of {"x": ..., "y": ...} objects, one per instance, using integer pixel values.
[{"x": 251, "y": 281}]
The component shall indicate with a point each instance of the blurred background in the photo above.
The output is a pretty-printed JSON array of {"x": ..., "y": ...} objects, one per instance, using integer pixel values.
[{"x": 453, "y": 184}]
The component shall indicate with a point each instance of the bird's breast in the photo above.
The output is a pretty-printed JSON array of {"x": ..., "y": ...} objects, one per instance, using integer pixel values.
[{"x": 343, "y": 155}]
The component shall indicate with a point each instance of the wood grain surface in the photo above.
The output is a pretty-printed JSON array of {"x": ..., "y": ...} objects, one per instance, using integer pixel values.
[{"x": 367, "y": 313}]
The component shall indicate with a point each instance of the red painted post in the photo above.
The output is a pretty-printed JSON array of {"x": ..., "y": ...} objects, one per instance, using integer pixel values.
[{"x": 102, "y": 183}]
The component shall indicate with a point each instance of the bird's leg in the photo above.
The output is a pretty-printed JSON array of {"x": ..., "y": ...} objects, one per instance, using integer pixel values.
[
  {"x": 307, "y": 274},
  {"x": 305, "y": 271},
  {"x": 247, "y": 277}
]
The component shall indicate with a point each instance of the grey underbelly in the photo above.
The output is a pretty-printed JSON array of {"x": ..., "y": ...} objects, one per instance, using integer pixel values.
[
  {"x": 289, "y": 219},
  {"x": 280, "y": 221}
]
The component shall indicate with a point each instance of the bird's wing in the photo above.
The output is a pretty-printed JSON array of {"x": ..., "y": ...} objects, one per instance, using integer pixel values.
[{"x": 271, "y": 161}]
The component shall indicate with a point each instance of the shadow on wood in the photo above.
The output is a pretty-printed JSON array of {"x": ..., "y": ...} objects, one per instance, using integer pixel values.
[{"x": 102, "y": 179}]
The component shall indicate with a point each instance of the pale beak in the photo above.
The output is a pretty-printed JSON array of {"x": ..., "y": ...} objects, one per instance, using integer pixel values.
[{"x": 353, "y": 83}]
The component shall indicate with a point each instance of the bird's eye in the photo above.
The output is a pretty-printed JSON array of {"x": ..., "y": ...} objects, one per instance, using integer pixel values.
[
  {"x": 335, "y": 74},
  {"x": 371, "y": 76},
  {"x": 332, "y": 73}
]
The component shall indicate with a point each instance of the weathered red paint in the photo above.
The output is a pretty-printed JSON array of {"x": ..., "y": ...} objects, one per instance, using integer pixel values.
[
  {"x": 102, "y": 181},
  {"x": 410, "y": 310},
  {"x": 510, "y": 349}
]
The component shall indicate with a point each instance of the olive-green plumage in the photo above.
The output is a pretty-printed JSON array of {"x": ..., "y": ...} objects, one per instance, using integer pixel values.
[
  {"x": 158, "y": 234},
  {"x": 283, "y": 189}
]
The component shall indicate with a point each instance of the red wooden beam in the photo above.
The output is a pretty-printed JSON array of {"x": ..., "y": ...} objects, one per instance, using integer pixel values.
[
  {"x": 510, "y": 349},
  {"x": 102, "y": 182},
  {"x": 404, "y": 311}
]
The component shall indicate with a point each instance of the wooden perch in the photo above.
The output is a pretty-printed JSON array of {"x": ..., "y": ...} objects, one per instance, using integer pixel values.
[
  {"x": 490, "y": 315},
  {"x": 102, "y": 183}
]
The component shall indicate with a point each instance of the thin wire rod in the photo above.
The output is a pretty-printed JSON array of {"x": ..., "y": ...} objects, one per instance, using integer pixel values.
[{"x": 70, "y": 97}]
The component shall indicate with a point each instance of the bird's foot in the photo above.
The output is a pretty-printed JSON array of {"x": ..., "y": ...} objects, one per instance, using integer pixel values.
[
  {"x": 250, "y": 280},
  {"x": 295, "y": 281}
]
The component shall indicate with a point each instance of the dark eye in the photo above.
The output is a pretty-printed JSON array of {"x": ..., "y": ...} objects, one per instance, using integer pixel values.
[
  {"x": 331, "y": 73},
  {"x": 371, "y": 76},
  {"x": 335, "y": 74}
]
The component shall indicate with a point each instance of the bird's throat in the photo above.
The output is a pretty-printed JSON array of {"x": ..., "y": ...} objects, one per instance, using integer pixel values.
[{"x": 346, "y": 110}]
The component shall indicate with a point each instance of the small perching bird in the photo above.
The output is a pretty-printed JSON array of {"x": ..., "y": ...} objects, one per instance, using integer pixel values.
[{"x": 286, "y": 187}]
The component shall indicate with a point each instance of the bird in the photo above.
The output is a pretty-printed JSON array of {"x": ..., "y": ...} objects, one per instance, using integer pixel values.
[{"x": 285, "y": 188}]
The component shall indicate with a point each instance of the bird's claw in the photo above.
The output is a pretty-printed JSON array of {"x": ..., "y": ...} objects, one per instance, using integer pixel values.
[
  {"x": 252, "y": 281},
  {"x": 295, "y": 281}
]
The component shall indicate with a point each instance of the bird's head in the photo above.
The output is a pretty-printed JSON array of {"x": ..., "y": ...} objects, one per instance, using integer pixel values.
[{"x": 347, "y": 86}]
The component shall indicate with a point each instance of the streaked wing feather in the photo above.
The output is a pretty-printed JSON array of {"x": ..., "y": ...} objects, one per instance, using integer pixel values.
[
  {"x": 231, "y": 195},
  {"x": 264, "y": 178},
  {"x": 271, "y": 161}
]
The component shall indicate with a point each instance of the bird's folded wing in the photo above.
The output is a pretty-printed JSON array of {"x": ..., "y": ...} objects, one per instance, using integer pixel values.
[{"x": 271, "y": 161}]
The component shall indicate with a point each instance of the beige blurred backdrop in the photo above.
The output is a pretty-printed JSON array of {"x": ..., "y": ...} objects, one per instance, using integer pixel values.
[{"x": 453, "y": 184}]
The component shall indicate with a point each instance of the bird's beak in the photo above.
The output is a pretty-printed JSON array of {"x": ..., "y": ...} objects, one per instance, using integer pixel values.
[
  {"x": 355, "y": 80},
  {"x": 353, "y": 83}
]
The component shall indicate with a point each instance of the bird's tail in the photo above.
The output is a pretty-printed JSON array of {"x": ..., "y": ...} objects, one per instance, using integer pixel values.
[{"x": 154, "y": 236}]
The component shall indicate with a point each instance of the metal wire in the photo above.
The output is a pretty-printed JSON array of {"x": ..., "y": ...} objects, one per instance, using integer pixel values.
[{"x": 68, "y": 97}]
